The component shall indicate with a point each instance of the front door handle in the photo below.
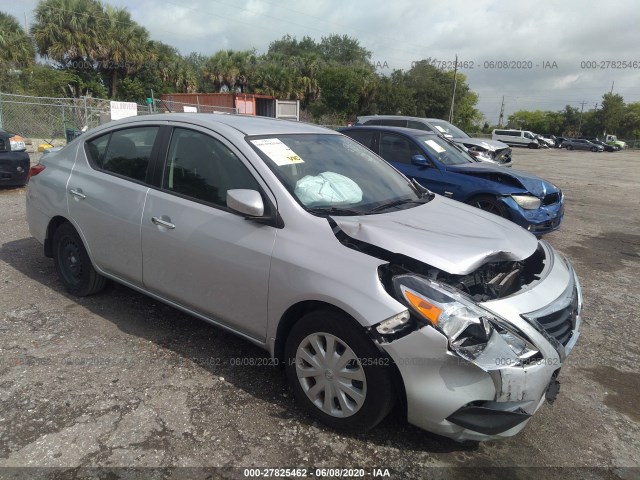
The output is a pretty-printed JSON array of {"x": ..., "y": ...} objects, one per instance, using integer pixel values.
[
  {"x": 162, "y": 223},
  {"x": 78, "y": 193}
]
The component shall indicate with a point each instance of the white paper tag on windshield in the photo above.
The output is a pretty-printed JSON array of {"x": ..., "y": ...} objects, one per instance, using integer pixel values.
[
  {"x": 439, "y": 128},
  {"x": 277, "y": 151},
  {"x": 435, "y": 146}
]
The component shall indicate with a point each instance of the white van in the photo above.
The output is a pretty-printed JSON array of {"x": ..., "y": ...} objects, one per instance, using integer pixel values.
[{"x": 516, "y": 138}]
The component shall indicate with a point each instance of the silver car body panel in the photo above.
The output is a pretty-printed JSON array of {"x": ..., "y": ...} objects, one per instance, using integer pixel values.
[
  {"x": 440, "y": 383},
  {"x": 245, "y": 276},
  {"x": 431, "y": 233}
]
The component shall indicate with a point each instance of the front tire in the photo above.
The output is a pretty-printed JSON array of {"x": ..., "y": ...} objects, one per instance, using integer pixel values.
[
  {"x": 73, "y": 263},
  {"x": 490, "y": 204},
  {"x": 336, "y": 372}
]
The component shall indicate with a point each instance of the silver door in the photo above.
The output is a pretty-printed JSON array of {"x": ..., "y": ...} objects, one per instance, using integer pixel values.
[
  {"x": 196, "y": 252},
  {"x": 106, "y": 198}
]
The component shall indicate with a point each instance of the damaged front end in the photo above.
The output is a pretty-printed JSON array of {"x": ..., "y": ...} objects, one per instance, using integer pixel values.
[{"x": 478, "y": 352}]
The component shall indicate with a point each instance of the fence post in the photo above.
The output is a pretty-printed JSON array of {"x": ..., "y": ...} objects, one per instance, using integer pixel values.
[
  {"x": 86, "y": 116},
  {"x": 1, "y": 110}
]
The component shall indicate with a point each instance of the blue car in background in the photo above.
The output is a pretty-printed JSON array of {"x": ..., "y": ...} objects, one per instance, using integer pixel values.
[{"x": 444, "y": 168}]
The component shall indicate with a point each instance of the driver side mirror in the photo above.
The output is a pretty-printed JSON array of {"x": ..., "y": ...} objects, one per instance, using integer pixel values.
[{"x": 419, "y": 161}]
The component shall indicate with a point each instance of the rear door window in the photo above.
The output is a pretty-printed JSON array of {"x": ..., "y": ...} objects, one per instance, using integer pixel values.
[
  {"x": 394, "y": 148},
  {"x": 365, "y": 138},
  {"x": 418, "y": 125},
  {"x": 124, "y": 152}
]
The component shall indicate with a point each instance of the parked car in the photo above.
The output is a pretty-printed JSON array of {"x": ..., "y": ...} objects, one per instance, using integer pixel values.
[
  {"x": 439, "y": 165},
  {"x": 552, "y": 140},
  {"x": 14, "y": 160},
  {"x": 482, "y": 148},
  {"x": 581, "y": 144},
  {"x": 605, "y": 146},
  {"x": 366, "y": 286},
  {"x": 516, "y": 138},
  {"x": 545, "y": 142}
]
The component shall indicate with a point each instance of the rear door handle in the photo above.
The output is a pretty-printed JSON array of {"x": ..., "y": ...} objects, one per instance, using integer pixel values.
[
  {"x": 162, "y": 223},
  {"x": 78, "y": 193}
]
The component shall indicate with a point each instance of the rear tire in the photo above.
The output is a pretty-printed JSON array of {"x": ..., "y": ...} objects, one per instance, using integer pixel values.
[
  {"x": 337, "y": 373},
  {"x": 490, "y": 204},
  {"x": 73, "y": 264}
]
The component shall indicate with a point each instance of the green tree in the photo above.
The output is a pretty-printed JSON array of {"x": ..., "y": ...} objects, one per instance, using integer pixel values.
[
  {"x": 123, "y": 46},
  {"x": 393, "y": 96},
  {"x": 68, "y": 31},
  {"x": 16, "y": 47},
  {"x": 612, "y": 112},
  {"x": 340, "y": 91},
  {"x": 343, "y": 50},
  {"x": 432, "y": 90}
]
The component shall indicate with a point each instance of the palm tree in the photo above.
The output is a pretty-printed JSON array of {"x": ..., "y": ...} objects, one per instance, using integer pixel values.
[
  {"x": 124, "y": 45},
  {"x": 15, "y": 45},
  {"x": 68, "y": 31}
]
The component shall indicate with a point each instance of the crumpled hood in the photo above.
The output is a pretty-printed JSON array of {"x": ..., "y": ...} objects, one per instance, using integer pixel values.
[
  {"x": 535, "y": 185},
  {"x": 481, "y": 142},
  {"x": 443, "y": 233}
]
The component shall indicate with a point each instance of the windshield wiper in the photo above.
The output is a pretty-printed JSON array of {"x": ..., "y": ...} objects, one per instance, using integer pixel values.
[
  {"x": 333, "y": 211},
  {"x": 398, "y": 203}
]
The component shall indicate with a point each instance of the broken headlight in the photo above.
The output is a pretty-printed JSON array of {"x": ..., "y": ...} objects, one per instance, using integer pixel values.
[
  {"x": 474, "y": 333},
  {"x": 528, "y": 202}
]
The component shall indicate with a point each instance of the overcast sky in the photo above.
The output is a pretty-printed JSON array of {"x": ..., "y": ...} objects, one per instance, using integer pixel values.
[{"x": 559, "y": 35}]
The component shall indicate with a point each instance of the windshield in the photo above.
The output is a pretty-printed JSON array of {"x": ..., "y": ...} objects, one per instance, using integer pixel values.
[
  {"x": 445, "y": 128},
  {"x": 443, "y": 151},
  {"x": 334, "y": 174}
]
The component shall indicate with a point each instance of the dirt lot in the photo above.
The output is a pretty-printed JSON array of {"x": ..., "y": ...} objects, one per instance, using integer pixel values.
[{"x": 119, "y": 380}]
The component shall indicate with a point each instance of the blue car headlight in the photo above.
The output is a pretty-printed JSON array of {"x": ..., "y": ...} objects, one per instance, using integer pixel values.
[{"x": 528, "y": 202}]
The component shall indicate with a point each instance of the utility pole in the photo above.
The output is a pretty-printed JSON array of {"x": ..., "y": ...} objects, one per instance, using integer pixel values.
[
  {"x": 453, "y": 94},
  {"x": 501, "y": 117},
  {"x": 580, "y": 123},
  {"x": 612, "y": 83}
]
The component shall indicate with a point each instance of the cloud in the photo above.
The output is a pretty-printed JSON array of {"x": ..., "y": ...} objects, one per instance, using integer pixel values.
[{"x": 483, "y": 32}]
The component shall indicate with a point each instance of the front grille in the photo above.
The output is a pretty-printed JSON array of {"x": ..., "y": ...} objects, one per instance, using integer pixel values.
[
  {"x": 551, "y": 198},
  {"x": 560, "y": 324},
  {"x": 559, "y": 319},
  {"x": 546, "y": 226}
]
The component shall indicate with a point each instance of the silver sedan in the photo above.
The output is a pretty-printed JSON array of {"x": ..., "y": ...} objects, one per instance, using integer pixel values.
[{"x": 369, "y": 289}]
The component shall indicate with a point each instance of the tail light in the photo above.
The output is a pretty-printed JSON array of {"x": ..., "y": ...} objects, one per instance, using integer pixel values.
[
  {"x": 36, "y": 169},
  {"x": 17, "y": 143}
]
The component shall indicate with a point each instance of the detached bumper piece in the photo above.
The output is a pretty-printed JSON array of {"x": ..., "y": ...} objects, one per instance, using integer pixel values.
[{"x": 487, "y": 420}]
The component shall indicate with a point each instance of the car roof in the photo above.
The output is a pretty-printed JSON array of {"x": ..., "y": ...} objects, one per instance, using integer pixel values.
[
  {"x": 245, "y": 124},
  {"x": 407, "y": 131},
  {"x": 400, "y": 117}
]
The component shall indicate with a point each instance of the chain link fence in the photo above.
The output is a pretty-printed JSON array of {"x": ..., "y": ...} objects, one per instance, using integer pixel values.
[{"x": 49, "y": 118}]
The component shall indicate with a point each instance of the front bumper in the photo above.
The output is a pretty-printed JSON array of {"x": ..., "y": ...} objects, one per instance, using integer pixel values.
[
  {"x": 455, "y": 398},
  {"x": 543, "y": 220}
]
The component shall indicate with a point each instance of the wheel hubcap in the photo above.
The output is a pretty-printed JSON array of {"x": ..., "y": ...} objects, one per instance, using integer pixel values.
[
  {"x": 71, "y": 262},
  {"x": 331, "y": 375}
]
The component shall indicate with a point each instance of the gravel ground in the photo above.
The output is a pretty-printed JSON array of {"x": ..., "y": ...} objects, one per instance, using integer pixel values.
[{"x": 93, "y": 387}]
